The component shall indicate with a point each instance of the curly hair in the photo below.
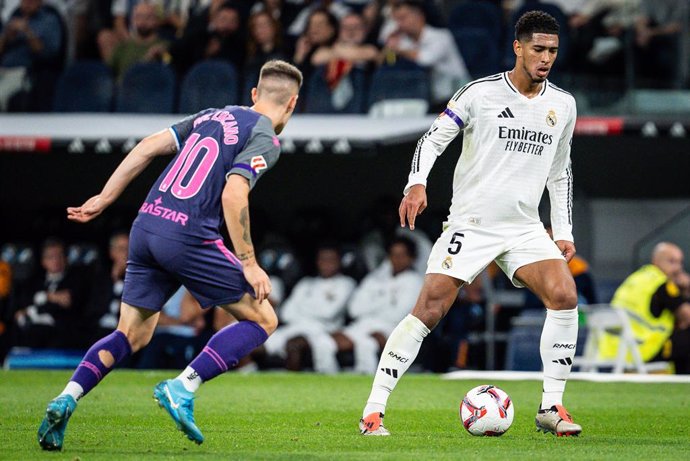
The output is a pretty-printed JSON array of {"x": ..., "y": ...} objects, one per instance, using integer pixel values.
[{"x": 535, "y": 22}]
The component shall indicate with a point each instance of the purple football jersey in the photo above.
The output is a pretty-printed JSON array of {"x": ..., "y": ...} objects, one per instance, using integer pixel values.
[{"x": 185, "y": 202}]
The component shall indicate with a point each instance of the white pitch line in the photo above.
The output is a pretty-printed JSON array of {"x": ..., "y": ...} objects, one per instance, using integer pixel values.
[{"x": 577, "y": 376}]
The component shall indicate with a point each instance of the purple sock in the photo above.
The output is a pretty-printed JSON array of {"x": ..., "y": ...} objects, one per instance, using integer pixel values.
[
  {"x": 227, "y": 347},
  {"x": 100, "y": 359}
]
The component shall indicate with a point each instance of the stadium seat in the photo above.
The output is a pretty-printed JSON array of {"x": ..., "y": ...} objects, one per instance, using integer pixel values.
[
  {"x": 660, "y": 102},
  {"x": 249, "y": 81},
  {"x": 522, "y": 353},
  {"x": 147, "y": 88},
  {"x": 391, "y": 108},
  {"x": 85, "y": 86},
  {"x": 349, "y": 98},
  {"x": 477, "y": 15},
  {"x": 83, "y": 254},
  {"x": 211, "y": 83},
  {"x": 479, "y": 50},
  {"x": 399, "y": 84},
  {"x": 21, "y": 258},
  {"x": 603, "y": 318}
]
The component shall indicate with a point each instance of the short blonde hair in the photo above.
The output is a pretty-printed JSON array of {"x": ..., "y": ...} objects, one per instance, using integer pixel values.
[{"x": 275, "y": 78}]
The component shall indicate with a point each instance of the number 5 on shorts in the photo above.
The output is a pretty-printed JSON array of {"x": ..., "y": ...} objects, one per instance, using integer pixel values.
[{"x": 455, "y": 243}]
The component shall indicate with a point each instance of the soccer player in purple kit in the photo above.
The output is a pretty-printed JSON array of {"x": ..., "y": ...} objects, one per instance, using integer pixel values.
[{"x": 175, "y": 239}]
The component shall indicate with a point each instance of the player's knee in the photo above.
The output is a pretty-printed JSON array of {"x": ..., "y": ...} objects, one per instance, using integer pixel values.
[
  {"x": 562, "y": 297},
  {"x": 269, "y": 321},
  {"x": 430, "y": 312},
  {"x": 136, "y": 338}
]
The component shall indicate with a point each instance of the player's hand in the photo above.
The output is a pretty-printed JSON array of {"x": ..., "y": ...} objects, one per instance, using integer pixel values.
[
  {"x": 88, "y": 211},
  {"x": 412, "y": 205},
  {"x": 259, "y": 281},
  {"x": 567, "y": 249}
]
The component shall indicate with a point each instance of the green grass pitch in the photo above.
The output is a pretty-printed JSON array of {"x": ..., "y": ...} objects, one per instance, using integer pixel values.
[{"x": 308, "y": 417}]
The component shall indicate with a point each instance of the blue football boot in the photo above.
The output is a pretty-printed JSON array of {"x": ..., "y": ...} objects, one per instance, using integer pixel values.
[
  {"x": 179, "y": 402},
  {"x": 51, "y": 433}
]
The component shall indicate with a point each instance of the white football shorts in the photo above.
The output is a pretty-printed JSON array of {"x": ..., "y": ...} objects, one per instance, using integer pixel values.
[{"x": 464, "y": 250}]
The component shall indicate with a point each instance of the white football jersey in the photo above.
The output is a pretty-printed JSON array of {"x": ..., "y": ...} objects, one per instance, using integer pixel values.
[{"x": 513, "y": 146}]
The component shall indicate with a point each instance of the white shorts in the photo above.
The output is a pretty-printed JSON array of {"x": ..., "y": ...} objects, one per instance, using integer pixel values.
[{"x": 463, "y": 250}]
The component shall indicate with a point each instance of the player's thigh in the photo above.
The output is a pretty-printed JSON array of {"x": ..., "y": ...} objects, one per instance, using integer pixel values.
[
  {"x": 137, "y": 324},
  {"x": 462, "y": 252},
  {"x": 147, "y": 284},
  {"x": 248, "y": 308},
  {"x": 211, "y": 273},
  {"x": 551, "y": 281},
  {"x": 537, "y": 263}
]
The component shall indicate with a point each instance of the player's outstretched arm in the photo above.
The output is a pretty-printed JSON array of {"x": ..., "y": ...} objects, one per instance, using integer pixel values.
[
  {"x": 236, "y": 211},
  {"x": 412, "y": 205},
  {"x": 136, "y": 161}
]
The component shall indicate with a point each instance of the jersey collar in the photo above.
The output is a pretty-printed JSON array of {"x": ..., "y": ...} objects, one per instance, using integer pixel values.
[{"x": 506, "y": 79}]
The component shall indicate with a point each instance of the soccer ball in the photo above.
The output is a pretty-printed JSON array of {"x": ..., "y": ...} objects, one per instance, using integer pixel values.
[{"x": 487, "y": 410}]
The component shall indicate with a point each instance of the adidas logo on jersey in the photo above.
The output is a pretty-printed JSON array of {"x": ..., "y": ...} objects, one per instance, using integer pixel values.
[
  {"x": 565, "y": 361},
  {"x": 506, "y": 113}
]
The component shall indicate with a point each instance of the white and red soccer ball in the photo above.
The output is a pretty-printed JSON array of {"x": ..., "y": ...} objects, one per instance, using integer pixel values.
[{"x": 486, "y": 410}]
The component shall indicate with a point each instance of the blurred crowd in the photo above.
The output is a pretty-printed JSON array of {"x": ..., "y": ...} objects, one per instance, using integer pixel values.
[
  {"x": 338, "y": 44},
  {"x": 336, "y": 310},
  {"x": 337, "y": 301}
]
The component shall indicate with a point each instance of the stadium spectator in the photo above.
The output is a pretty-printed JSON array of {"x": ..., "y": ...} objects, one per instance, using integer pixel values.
[
  {"x": 265, "y": 42},
  {"x": 273, "y": 7},
  {"x": 598, "y": 28},
  {"x": 50, "y": 305},
  {"x": 348, "y": 52},
  {"x": 315, "y": 308},
  {"x": 381, "y": 300},
  {"x": 385, "y": 226},
  {"x": 658, "y": 310},
  {"x": 350, "y": 47},
  {"x": 173, "y": 16},
  {"x": 222, "y": 39},
  {"x": 144, "y": 44},
  {"x": 299, "y": 25},
  {"x": 103, "y": 307},
  {"x": 658, "y": 33},
  {"x": 429, "y": 47},
  {"x": 321, "y": 30},
  {"x": 31, "y": 42},
  {"x": 174, "y": 342}
]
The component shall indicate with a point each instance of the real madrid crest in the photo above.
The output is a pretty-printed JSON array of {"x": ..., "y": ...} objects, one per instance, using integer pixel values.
[
  {"x": 551, "y": 119},
  {"x": 447, "y": 263}
]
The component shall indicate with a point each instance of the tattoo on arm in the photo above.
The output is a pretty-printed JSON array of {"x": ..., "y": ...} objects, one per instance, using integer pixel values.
[
  {"x": 244, "y": 221},
  {"x": 246, "y": 255}
]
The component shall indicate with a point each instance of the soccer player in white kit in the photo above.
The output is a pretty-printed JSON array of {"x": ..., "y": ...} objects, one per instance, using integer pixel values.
[{"x": 517, "y": 130}]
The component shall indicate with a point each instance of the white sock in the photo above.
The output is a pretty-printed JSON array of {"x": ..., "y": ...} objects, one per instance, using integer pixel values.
[
  {"x": 401, "y": 349},
  {"x": 190, "y": 379},
  {"x": 74, "y": 389},
  {"x": 557, "y": 347}
]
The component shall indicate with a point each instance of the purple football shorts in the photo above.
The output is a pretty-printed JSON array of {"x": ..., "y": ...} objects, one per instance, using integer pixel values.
[{"x": 157, "y": 266}]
